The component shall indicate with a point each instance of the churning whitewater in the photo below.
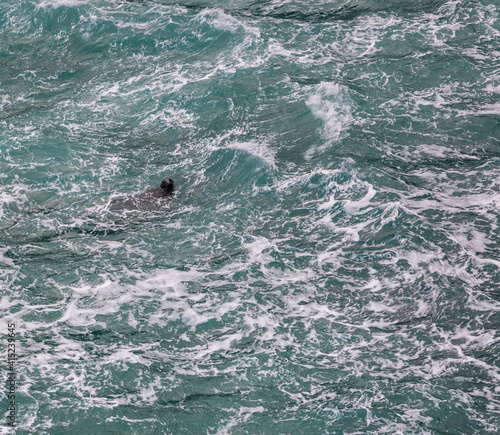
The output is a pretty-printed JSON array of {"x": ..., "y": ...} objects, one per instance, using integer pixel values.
[{"x": 328, "y": 262}]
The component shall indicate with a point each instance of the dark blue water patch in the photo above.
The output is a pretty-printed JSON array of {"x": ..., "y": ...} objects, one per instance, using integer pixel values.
[{"x": 318, "y": 12}]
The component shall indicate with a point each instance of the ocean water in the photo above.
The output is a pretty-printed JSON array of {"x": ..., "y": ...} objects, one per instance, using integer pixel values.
[{"x": 330, "y": 260}]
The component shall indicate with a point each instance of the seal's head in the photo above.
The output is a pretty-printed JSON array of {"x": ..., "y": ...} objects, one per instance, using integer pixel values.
[{"x": 167, "y": 185}]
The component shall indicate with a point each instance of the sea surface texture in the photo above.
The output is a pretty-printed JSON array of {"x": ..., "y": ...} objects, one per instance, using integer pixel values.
[{"x": 329, "y": 262}]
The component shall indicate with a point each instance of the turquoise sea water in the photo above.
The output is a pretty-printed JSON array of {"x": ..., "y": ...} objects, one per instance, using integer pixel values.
[{"x": 329, "y": 262}]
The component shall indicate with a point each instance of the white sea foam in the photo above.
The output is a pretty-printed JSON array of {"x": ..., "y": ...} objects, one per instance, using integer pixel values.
[
  {"x": 223, "y": 21},
  {"x": 259, "y": 149},
  {"x": 356, "y": 207},
  {"x": 59, "y": 3},
  {"x": 256, "y": 250},
  {"x": 172, "y": 117},
  {"x": 330, "y": 103},
  {"x": 242, "y": 414}
]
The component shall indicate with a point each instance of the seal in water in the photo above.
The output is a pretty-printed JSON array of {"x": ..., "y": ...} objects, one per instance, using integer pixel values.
[
  {"x": 149, "y": 199},
  {"x": 166, "y": 188}
]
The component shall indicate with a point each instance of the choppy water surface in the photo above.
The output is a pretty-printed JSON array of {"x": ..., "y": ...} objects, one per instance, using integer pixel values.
[{"x": 329, "y": 262}]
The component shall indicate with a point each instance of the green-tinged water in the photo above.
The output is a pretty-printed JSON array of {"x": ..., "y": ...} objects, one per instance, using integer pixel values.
[{"x": 330, "y": 260}]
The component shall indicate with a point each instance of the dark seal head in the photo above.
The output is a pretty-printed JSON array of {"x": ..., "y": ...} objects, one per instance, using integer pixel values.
[
  {"x": 149, "y": 199},
  {"x": 167, "y": 185},
  {"x": 166, "y": 188}
]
